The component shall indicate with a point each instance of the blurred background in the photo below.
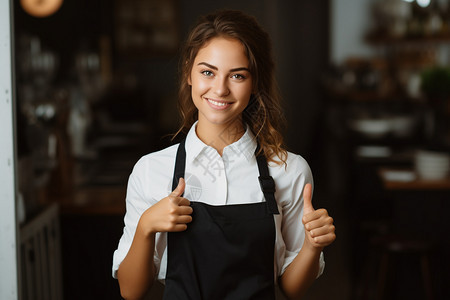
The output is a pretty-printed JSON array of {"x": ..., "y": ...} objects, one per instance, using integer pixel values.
[{"x": 366, "y": 91}]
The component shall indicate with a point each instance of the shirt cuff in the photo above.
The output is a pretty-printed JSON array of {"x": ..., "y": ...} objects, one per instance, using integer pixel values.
[{"x": 290, "y": 256}]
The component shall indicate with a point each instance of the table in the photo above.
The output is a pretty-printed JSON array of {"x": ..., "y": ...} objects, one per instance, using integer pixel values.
[
  {"x": 414, "y": 184},
  {"x": 420, "y": 208}
]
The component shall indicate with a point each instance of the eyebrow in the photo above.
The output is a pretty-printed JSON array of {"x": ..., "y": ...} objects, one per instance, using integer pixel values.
[{"x": 215, "y": 68}]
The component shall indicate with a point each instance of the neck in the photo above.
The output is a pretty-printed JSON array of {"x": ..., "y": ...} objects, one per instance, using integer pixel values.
[{"x": 220, "y": 136}]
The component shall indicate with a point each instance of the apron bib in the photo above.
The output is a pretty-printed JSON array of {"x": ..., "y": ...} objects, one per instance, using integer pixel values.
[{"x": 227, "y": 251}]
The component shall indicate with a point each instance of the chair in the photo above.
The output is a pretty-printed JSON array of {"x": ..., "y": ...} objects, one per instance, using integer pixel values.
[{"x": 390, "y": 249}]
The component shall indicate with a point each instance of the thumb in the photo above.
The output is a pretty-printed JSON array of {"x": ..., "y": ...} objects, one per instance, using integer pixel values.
[
  {"x": 179, "y": 190},
  {"x": 307, "y": 199}
]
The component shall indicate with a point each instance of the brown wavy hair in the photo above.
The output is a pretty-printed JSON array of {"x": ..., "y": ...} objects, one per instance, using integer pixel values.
[{"x": 263, "y": 114}]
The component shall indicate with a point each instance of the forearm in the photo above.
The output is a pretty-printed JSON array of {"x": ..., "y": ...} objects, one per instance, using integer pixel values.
[
  {"x": 301, "y": 273},
  {"x": 137, "y": 271}
]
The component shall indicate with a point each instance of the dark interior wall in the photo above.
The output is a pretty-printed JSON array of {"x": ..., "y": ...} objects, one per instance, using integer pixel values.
[
  {"x": 193, "y": 9},
  {"x": 303, "y": 56}
]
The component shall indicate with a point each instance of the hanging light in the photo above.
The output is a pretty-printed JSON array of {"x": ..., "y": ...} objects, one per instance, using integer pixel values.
[
  {"x": 423, "y": 3},
  {"x": 41, "y": 8}
]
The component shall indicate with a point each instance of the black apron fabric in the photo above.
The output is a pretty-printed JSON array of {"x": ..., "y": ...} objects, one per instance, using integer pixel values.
[{"x": 227, "y": 251}]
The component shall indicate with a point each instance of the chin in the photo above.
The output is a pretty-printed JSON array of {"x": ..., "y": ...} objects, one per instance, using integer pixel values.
[{"x": 217, "y": 121}]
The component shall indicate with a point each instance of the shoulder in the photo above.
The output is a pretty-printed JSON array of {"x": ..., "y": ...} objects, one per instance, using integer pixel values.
[
  {"x": 151, "y": 175},
  {"x": 290, "y": 178},
  {"x": 156, "y": 159},
  {"x": 156, "y": 162},
  {"x": 295, "y": 166}
]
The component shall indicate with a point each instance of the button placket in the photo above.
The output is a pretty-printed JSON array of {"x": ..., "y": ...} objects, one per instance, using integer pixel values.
[{"x": 222, "y": 191}]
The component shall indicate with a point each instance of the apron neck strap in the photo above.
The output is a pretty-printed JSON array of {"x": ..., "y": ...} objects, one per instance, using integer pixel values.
[
  {"x": 180, "y": 164},
  {"x": 266, "y": 182}
]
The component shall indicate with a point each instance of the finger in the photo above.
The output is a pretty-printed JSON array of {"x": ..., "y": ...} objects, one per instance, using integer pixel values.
[
  {"x": 184, "y": 219},
  {"x": 179, "y": 227},
  {"x": 321, "y": 231},
  {"x": 183, "y": 202},
  {"x": 315, "y": 224},
  {"x": 307, "y": 199},
  {"x": 185, "y": 210},
  {"x": 179, "y": 190},
  {"x": 324, "y": 240},
  {"x": 315, "y": 215}
]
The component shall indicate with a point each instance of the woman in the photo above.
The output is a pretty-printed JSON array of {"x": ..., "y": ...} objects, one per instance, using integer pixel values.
[{"x": 220, "y": 215}]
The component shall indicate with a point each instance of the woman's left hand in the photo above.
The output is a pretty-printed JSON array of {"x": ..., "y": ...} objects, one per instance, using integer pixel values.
[{"x": 320, "y": 231}]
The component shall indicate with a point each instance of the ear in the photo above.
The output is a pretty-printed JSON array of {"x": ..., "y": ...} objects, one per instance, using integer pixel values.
[{"x": 189, "y": 80}]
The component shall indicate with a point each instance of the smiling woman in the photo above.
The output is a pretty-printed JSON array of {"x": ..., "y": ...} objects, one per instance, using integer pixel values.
[{"x": 226, "y": 241}]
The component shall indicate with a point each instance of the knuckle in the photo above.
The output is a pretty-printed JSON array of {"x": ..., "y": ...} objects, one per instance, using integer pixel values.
[{"x": 323, "y": 211}]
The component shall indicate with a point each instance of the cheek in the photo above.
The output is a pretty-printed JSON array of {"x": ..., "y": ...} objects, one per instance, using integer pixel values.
[
  {"x": 197, "y": 91},
  {"x": 198, "y": 86},
  {"x": 246, "y": 93}
]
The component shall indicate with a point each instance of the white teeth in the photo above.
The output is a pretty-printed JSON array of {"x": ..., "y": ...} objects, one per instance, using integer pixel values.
[{"x": 217, "y": 103}]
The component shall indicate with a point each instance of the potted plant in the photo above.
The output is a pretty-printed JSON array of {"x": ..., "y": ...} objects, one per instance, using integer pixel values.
[{"x": 435, "y": 85}]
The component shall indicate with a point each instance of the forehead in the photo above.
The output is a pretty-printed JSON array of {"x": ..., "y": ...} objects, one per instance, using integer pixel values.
[{"x": 221, "y": 51}]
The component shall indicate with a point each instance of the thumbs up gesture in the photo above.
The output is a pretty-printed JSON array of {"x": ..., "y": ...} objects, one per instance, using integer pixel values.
[
  {"x": 170, "y": 214},
  {"x": 319, "y": 228}
]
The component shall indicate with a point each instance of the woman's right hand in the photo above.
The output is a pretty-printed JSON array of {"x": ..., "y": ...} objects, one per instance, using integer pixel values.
[
  {"x": 170, "y": 214},
  {"x": 137, "y": 271}
]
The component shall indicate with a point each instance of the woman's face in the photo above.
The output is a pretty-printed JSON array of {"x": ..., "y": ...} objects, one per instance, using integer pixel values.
[{"x": 221, "y": 82}]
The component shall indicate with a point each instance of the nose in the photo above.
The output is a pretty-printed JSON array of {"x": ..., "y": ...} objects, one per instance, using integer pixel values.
[{"x": 221, "y": 86}]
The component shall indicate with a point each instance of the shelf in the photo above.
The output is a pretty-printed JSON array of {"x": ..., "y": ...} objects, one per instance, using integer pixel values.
[
  {"x": 363, "y": 96},
  {"x": 380, "y": 40},
  {"x": 354, "y": 95}
]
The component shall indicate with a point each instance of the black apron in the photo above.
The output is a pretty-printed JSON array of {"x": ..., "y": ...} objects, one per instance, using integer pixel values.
[{"x": 227, "y": 251}]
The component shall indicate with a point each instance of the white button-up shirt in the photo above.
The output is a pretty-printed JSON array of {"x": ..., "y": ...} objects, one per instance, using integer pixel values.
[{"x": 218, "y": 180}]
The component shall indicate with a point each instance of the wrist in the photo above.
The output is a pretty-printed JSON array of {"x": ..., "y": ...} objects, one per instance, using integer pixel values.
[
  {"x": 310, "y": 248},
  {"x": 145, "y": 231}
]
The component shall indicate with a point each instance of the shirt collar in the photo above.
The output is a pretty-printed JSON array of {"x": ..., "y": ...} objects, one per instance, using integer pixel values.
[
  {"x": 245, "y": 146},
  {"x": 194, "y": 146}
]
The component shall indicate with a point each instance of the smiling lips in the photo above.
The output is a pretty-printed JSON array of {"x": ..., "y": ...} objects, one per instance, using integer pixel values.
[{"x": 218, "y": 104}]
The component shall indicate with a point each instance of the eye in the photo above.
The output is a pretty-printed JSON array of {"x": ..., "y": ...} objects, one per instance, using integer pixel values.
[
  {"x": 238, "y": 76},
  {"x": 207, "y": 73}
]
